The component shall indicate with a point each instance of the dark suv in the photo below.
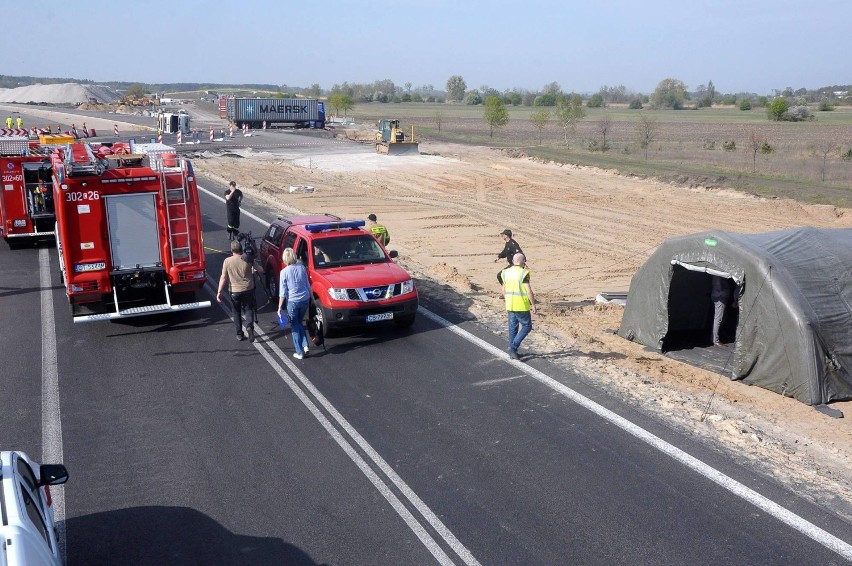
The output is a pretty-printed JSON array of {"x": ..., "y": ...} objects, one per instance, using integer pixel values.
[{"x": 354, "y": 280}]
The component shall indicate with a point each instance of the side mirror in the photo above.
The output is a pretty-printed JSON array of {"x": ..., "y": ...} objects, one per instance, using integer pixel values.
[
  {"x": 53, "y": 474},
  {"x": 393, "y": 254}
]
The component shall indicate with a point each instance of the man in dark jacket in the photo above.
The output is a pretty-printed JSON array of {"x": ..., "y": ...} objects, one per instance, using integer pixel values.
[
  {"x": 510, "y": 249},
  {"x": 233, "y": 200}
]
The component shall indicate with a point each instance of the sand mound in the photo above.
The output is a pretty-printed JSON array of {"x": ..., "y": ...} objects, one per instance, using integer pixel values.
[{"x": 67, "y": 93}]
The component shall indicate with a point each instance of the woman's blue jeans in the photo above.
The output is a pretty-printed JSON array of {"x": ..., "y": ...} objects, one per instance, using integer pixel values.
[{"x": 296, "y": 312}]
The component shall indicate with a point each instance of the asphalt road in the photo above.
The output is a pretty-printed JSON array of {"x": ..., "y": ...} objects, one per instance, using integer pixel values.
[{"x": 185, "y": 446}]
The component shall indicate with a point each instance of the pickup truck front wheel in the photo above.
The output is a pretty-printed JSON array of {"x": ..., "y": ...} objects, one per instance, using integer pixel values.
[{"x": 327, "y": 330}]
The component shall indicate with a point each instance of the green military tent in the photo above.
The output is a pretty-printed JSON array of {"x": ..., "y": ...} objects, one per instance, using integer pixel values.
[{"x": 794, "y": 314}]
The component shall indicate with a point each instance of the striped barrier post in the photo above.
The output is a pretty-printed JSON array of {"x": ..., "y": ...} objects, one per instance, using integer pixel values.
[
  {"x": 211, "y": 134},
  {"x": 245, "y": 128},
  {"x": 85, "y": 130},
  {"x": 159, "y": 138},
  {"x": 179, "y": 138},
  {"x": 74, "y": 132},
  {"x": 264, "y": 124},
  {"x": 232, "y": 130},
  {"x": 115, "y": 129}
]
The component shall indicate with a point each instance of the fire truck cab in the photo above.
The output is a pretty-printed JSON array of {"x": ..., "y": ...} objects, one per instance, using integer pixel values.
[
  {"x": 128, "y": 230},
  {"x": 26, "y": 195}
]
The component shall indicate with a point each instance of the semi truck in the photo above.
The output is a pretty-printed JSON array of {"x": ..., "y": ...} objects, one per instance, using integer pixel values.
[
  {"x": 296, "y": 112},
  {"x": 128, "y": 230},
  {"x": 26, "y": 203}
]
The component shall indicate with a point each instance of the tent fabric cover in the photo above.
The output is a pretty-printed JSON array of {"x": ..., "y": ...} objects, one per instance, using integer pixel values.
[{"x": 794, "y": 334}]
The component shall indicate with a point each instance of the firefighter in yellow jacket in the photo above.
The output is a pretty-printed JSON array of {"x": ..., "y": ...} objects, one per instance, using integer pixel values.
[
  {"x": 378, "y": 231},
  {"x": 520, "y": 301}
]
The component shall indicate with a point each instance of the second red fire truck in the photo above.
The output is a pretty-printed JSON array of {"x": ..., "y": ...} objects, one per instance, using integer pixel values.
[
  {"x": 128, "y": 230},
  {"x": 26, "y": 191}
]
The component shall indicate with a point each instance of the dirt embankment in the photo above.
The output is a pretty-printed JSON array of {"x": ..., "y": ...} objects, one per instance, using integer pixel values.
[{"x": 584, "y": 231}]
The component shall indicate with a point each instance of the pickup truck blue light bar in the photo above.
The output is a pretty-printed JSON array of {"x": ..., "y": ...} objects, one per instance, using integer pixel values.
[{"x": 346, "y": 224}]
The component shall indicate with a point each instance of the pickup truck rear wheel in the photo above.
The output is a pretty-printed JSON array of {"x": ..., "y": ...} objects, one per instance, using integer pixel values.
[{"x": 271, "y": 285}]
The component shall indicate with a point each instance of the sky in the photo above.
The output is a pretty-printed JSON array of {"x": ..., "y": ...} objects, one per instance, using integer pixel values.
[{"x": 756, "y": 46}]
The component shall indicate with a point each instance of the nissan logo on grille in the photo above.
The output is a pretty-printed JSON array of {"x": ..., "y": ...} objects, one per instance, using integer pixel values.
[{"x": 375, "y": 292}]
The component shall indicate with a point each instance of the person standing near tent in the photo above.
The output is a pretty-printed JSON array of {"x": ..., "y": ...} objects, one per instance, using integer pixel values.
[
  {"x": 233, "y": 200},
  {"x": 520, "y": 301},
  {"x": 720, "y": 294}
]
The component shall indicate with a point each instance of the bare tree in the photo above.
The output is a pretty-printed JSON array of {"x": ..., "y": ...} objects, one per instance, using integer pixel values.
[
  {"x": 756, "y": 141},
  {"x": 648, "y": 130},
  {"x": 540, "y": 120},
  {"x": 824, "y": 149},
  {"x": 604, "y": 126},
  {"x": 439, "y": 118}
]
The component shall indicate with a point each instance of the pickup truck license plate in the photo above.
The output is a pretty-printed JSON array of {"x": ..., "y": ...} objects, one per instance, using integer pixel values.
[{"x": 378, "y": 317}]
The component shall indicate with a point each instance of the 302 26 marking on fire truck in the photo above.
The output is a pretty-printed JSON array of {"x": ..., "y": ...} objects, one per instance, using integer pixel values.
[{"x": 79, "y": 196}]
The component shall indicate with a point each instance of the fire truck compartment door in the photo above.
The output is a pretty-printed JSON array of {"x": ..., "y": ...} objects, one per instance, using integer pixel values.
[{"x": 133, "y": 234}]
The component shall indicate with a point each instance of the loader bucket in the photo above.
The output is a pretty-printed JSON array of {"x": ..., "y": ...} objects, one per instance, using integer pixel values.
[{"x": 403, "y": 148}]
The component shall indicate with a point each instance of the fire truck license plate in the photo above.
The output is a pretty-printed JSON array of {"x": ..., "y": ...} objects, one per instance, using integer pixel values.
[
  {"x": 378, "y": 317},
  {"x": 81, "y": 267},
  {"x": 19, "y": 223}
]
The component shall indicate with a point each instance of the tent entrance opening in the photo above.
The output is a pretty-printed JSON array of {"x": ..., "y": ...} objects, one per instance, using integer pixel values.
[{"x": 691, "y": 311}]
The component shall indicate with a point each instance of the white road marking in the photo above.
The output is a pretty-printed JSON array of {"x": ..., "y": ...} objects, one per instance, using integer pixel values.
[
  {"x": 383, "y": 488},
  {"x": 800, "y": 524},
  {"x": 51, "y": 423}
]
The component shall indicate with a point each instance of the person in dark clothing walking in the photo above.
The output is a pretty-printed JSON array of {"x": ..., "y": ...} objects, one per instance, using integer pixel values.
[
  {"x": 510, "y": 249},
  {"x": 233, "y": 200}
]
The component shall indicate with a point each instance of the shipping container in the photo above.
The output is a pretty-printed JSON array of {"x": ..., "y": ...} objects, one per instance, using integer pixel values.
[{"x": 298, "y": 112}]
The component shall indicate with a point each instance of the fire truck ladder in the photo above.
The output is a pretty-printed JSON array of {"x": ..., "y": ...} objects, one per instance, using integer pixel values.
[{"x": 177, "y": 214}]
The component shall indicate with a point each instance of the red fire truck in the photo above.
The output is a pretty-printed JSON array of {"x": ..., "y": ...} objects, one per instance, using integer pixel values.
[
  {"x": 26, "y": 203},
  {"x": 128, "y": 230}
]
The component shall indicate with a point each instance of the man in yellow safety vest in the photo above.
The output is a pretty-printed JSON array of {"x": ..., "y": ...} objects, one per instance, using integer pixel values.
[
  {"x": 378, "y": 231},
  {"x": 520, "y": 301}
]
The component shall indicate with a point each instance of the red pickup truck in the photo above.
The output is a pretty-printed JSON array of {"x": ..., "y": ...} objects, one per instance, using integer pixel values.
[{"x": 354, "y": 280}]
